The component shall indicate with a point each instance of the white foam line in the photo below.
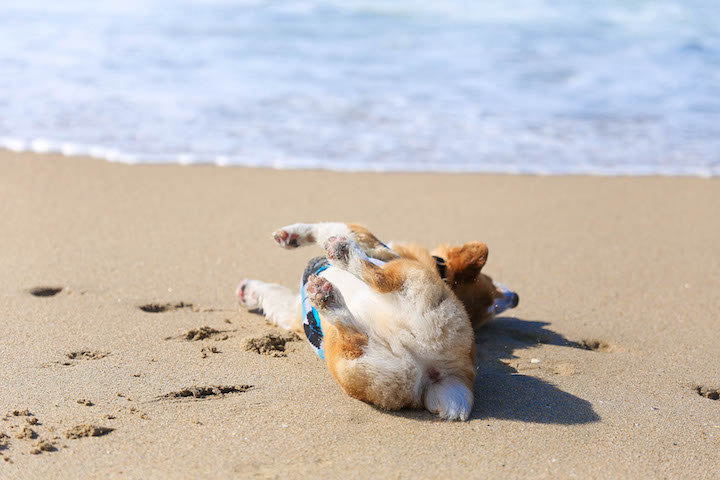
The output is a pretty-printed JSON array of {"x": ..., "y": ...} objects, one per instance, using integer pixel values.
[{"x": 280, "y": 162}]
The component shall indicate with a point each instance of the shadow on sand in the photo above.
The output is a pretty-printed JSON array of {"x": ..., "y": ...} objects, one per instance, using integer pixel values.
[{"x": 502, "y": 392}]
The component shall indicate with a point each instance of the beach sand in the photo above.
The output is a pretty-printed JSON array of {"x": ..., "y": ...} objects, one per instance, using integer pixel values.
[{"x": 595, "y": 375}]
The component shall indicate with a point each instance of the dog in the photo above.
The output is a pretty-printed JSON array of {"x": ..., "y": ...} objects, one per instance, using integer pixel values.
[{"x": 394, "y": 323}]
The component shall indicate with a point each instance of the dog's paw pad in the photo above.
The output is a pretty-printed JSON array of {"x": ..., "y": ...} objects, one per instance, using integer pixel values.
[
  {"x": 320, "y": 292},
  {"x": 337, "y": 249},
  {"x": 246, "y": 294},
  {"x": 286, "y": 239}
]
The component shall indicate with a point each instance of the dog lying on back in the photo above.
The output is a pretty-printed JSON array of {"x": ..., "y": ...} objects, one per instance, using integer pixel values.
[{"x": 394, "y": 323}]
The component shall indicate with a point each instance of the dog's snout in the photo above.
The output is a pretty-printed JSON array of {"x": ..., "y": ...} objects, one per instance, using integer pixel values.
[{"x": 509, "y": 299}]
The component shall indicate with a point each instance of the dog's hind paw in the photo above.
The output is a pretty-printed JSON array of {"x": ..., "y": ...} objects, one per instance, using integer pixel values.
[
  {"x": 320, "y": 292},
  {"x": 337, "y": 249}
]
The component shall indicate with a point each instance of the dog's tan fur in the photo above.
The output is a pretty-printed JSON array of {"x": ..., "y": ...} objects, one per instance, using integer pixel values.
[
  {"x": 416, "y": 347},
  {"x": 464, "y": 263}
]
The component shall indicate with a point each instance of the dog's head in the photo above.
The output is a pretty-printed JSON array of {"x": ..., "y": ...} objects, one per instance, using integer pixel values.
[{"x": 477, "y": 291}]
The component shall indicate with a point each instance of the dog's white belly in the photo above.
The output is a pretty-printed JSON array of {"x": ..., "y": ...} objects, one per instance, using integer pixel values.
[{"x": 375, "y": 311}]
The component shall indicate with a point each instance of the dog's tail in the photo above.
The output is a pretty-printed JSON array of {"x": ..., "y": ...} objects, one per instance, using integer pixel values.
[{"x": 449, "y": 397}]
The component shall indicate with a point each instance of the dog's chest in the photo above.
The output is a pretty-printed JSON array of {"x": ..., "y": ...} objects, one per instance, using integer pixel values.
[{"x": 370, "y": 308}]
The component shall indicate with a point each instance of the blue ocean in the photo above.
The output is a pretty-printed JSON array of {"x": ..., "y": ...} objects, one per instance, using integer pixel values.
[{"x": 518, "y": 86}]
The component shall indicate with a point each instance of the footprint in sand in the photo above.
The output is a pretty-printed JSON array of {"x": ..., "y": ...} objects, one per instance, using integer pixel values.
[
  {"x": 271, "y": 343},
  {"x": 23, "y": 435},
  {"x": 707, "y": 392},
  {"x": 207, "y": 392},
  {"x": 73, "y": 358},
  {"x": 87, "y": 430},
  {"x": 44, "y": 291},
  {"x": 202, "y": 333},
  {"x": 169, "y": 307},
  {"x": 166, "y": 307},
  {"x": 596, "y": 346},
  {"x": 39, "y": 439}
]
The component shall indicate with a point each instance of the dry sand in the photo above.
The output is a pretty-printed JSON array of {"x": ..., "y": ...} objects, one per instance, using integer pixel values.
[{"x": 606, "y": 370}]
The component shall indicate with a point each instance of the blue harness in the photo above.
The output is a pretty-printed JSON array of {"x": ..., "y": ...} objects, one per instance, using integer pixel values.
[{"x": 311, "y": 319}]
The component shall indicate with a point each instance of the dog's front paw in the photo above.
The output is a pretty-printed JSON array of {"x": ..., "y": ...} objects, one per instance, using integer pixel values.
[
  {"x": 337, "y": 249},
  {"x": 247, "y": 294},
  {"x": 286, "y": 239},
  {"x": 320, "y": 292}
]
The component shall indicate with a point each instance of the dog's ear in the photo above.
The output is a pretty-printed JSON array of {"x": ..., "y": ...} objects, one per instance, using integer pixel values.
[{"x": 466, "y": 261}]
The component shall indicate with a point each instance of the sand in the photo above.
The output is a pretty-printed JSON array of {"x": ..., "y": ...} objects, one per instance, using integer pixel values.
[{"x": 609, "y": 368}]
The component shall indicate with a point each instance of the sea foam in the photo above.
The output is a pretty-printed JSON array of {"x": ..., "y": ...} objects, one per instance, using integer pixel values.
[{"x": 536, "y": 86}]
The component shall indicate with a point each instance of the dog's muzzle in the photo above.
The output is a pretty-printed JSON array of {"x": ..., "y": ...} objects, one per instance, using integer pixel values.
[{"x": 509, "y": 300}]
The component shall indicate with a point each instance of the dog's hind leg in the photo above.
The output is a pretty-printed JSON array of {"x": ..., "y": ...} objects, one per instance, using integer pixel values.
[
  {"x": 370, "y": 244},
  {"x": 279, "y": 304},
  {"x": 345, "y": 254},
  {"x": 302, "y": 234}
]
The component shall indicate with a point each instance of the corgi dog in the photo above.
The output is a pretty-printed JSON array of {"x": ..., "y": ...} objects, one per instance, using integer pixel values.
[{"x": 394, "y": 323}]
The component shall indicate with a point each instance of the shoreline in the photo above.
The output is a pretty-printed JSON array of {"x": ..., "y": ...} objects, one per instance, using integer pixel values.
[
  {"x": 112, "y": 156},
  {"x": 617, "y": 278}
]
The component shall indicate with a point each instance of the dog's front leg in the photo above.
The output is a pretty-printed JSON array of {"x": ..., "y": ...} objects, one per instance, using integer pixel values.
[{"x": 302, "y": 234}]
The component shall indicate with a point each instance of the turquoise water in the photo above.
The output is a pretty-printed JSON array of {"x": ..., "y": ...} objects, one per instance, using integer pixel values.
[{"x": 541, "y": 86}]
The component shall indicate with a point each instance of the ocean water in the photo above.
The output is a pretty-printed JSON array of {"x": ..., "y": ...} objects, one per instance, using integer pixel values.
[{"x": 534, "y": 86}]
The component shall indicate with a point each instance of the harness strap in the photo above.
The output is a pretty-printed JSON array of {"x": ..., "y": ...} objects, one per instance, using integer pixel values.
[
  {"x": 312, "y": 324},
  {"x": 441, "y": 267}
]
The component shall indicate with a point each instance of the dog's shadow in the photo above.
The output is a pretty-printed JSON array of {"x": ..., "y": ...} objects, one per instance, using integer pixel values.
[{"x": 502, "y": 392}]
